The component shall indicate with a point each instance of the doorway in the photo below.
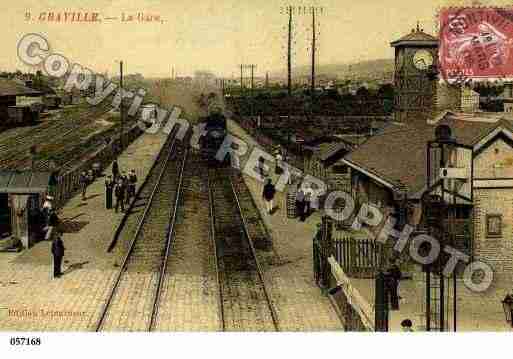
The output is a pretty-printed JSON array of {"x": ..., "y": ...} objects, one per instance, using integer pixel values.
[{"x": 5, "y": 216}]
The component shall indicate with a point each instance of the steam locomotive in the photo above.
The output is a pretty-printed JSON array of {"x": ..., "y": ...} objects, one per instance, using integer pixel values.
[{"x": 215, "y": 133}]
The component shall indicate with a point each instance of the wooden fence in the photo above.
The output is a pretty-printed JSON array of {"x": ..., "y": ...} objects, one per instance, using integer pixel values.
[
  {"x": 332, "y": 255},
  {"x": 359, "y": 257}
]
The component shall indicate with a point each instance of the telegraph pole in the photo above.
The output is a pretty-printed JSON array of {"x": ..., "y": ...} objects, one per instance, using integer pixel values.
[
  {"x": 121, "y": 110},
  {"x": 289, "y": 58},
  {"x": 241, "y": 74},
  {"x": 313, "y": 55},
  {"x": 252, "y": 67}
]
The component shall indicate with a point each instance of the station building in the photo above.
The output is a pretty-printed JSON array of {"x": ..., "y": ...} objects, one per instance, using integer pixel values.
[
  {"x": 9, "y": 92},
  {"x": 389, "y": 171},
  {"x": 21, "y": 197}
]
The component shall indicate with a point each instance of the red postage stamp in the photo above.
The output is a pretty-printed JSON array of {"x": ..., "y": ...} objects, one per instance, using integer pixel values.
[{"x": 476, "y": 44}]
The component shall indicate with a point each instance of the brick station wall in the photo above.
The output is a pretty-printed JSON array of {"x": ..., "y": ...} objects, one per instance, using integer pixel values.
[
  {"x": 497, "y": 252},
  {"x": 496, "y": 161}
]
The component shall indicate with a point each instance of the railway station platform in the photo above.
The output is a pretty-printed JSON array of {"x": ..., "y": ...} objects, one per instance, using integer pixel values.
[
  {"x": 299, "y": 303},
  {"x": 31, "y": 300}
]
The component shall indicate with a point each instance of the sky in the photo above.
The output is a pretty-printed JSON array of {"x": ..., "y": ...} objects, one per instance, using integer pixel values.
[{"x": 215, "y": 35}]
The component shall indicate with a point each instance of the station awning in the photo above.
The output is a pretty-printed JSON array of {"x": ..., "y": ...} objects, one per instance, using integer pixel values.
[{"x": 24, "y": 182}]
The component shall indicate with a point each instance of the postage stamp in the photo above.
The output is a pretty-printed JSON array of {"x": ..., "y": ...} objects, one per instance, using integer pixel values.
[{"x": 476, "y": 44}]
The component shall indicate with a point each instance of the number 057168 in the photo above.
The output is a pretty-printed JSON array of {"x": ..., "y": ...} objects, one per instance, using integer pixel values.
[{"x": 25, "y": 341}]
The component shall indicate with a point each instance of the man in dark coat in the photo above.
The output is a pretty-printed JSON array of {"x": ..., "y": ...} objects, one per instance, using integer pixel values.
[
  {"x": 58, "y": 254},
  {"x": 261, "y": 167},
  {"x": 109, "y": 189},
  {"x": 52, "y": 183},
  {"x": 119, "y": 192},
  {"x": 124, "y": 180},
  {"x": 393, "y": 276},
  {"x": 84, "y": 182},
  {"x": 115, "y": 170},
  {"x": 132, "y": 183},
  {"x": 268, "y": 194}
]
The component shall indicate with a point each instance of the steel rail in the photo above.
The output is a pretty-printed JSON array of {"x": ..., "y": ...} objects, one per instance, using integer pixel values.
[
  {"x": 169, "y": 241},
  {"x": 135, "y": 237},
  {"x": 270, "y": 302},
  {"x": 213, "y": 238}
]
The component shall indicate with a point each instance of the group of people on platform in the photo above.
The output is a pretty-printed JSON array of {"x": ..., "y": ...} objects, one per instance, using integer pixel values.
[
  {"x": 269, "y": 189},
  {"x": 306, "y": 200},
  {"x": 88, "y": 177},
  {"x": 120, "y": 186}
]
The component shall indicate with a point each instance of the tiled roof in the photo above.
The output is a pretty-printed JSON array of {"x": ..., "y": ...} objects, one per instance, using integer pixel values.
[
  {"x": 398, "y": 156},
  {"x": 331, "y": 149},
  {"x": 12, "y": 88},
  {"x": 415, "y": 36}
]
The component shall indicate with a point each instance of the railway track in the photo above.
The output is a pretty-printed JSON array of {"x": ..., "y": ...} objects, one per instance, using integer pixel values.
[
  {"x": 189, "y": 291},
  {"x": 133, "y": 301},
  {"x": 244, "y": 301},
  {"x": 14, "y": 149}
]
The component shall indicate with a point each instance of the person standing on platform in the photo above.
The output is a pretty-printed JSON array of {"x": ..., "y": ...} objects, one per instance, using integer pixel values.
[
  {"x": 119, "y": 192},
  {"x": 393, "y": 275},
  {"x": 261, "y": 169},
  {"x": 124, "y": 180},
  {"x": 47, "y": 207},
  {"x": 90, "y": 176},
  {"x": 132, "y": 184},
  {"x": 279, "y": 160},
  {"x": 57, "y": 253},
  {"x": 51, "y": 225},
  {"x": 115, "y": 170},
  {"x": 52, "y": 183},
  {"x": 308, "y": 199},
  {"x": 109, "y": 189},
  {"x": 83, "y": 184},
  {"x": 300, "y": 203},
  {"x": 268, "y": 194},
  {"x": 96, "y": 170}
]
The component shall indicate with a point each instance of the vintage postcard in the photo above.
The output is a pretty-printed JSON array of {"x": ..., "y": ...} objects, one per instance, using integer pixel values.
[{"x": 255, "y": 166}]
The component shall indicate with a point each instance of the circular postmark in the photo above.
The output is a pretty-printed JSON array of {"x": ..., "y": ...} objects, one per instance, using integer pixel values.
[{"x": 475, "y": 44}]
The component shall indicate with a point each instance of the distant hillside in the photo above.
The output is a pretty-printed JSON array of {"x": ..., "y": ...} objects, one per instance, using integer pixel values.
[{"x": 381, "y": 69}]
